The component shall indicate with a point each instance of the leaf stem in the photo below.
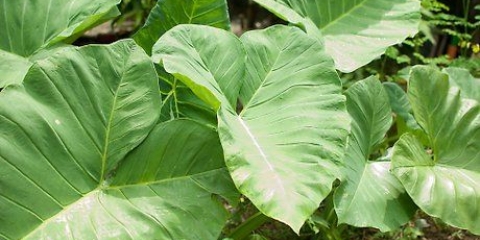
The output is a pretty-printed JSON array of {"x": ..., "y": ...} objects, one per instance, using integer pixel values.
[{"x": 246, "y": 228}]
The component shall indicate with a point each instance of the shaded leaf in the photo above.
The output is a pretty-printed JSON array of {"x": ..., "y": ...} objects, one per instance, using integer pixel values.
[
  {"x": 400, "y": 104},
  {"x": 170, "y": 13},
  {"x": 180, "y": 102}
]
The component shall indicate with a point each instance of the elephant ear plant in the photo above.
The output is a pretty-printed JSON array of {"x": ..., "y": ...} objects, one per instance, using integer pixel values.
[
  {"x": 288, "y": 139},
  {"x": 368, "y": 182},
  {"x": 85, "y": 153},
  {"x": 442, "y": 181},
  {"x": 156, "y": 137}
]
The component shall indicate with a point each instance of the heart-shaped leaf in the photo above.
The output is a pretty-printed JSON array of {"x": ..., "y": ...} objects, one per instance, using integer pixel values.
[
  {"x": 282, "y": 149},
  {"x": 448, "y": 173},
  {"x": 370, "y": 196}
]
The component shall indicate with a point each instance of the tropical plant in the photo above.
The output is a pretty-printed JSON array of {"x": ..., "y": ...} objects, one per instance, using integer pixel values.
[{"x": 155, "y": 137}]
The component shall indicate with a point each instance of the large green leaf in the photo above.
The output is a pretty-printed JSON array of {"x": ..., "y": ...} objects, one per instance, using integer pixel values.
[
  {"x": 448, "y": 173},
  {"x": 283, "y": 148},
  {"x": 355, "y": 31},
  {"x": 30, "y": 25},
  {"x": 169, "y": 13},
  {"x": 370, "y": 196},
  {"x": 66, "y": 166}
]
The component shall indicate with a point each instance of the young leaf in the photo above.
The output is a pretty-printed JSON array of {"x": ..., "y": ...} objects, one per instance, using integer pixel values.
[
  {"x": 170, "y": 13},
  {"x": 355, "y": 32},
  {"x": 282, "y": 149},
  {"x": 30, "y": 25},
  {"x": 450, "y": 175},
  {"x": 370, "y": 196}
]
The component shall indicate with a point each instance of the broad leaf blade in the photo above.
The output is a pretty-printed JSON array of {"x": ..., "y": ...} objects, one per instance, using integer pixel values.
[
  {"x": 355, "y": 32},
  {"x": 449, "y": 177},
  {"x": 311, "y": 113},
  {"x": 169, "y": 13},
  {"x": 60, "y": 139},
  {"x": 370, "y": 196},
  {"x": 163, "y": 187},
  {"x": 283, "y": 149},
  {"x": 368, "y": 104}
]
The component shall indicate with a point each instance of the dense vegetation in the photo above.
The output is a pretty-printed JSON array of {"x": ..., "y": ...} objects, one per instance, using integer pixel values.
[{"x": 331, "y": 121}]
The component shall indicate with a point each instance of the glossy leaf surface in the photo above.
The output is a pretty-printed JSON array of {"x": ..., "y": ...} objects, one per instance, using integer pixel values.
[
  {"x": 448, "y": 172},
  {"x": 196, "y": 55},
  {"x": 370, "y": 196},
  {"x": 355, "y": 32}
]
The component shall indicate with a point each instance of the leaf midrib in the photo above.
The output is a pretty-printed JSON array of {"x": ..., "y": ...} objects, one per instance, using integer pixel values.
[{"x": 110, "y": 120}]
